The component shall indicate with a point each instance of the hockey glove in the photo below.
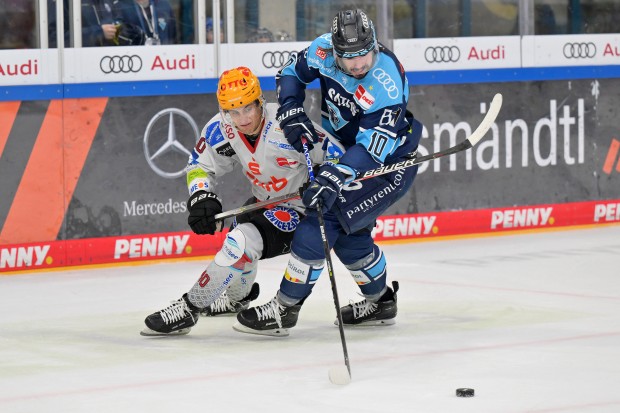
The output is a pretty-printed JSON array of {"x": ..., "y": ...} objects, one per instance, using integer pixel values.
[
  {"x": 325, "y": 187},
  {"x": 202, "y": 207},
  {"x": 295, "y": 124}
]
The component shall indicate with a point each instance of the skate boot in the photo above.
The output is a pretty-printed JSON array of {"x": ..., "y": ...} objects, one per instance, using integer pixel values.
[
  {"x": 176, "y": 319},
  {"x": 271, "y": 319},
  {"x": 365, "y": 313},
  {"x": 225, "y": 306}
]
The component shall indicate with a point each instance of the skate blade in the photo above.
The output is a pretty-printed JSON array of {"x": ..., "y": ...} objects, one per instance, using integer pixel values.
[
  {"x": 276, "y": 332},
  {"x": 152, "y": 333},
  {"x": 370, "y": 323}
]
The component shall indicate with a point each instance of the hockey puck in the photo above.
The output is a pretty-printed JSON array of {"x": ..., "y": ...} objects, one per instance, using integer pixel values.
[{"x": 465, "y": 392}]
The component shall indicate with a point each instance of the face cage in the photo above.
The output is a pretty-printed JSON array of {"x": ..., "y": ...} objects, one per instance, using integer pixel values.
[
  {"x": 225, "y": 114},
  {"x": 341, "y": 67}
]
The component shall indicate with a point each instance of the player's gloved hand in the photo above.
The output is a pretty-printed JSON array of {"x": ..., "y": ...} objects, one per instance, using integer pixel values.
[
  {"x": 295, "y": 125},
  {"x": 326, "y": 187},
  {"x": 202, "y": 207}
]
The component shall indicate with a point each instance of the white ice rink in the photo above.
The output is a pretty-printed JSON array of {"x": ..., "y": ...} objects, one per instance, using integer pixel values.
[{"x": 530, "y": 321}]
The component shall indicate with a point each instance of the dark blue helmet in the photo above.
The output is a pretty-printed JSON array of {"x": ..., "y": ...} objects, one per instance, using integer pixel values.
[{"x": 353, "y": 34}]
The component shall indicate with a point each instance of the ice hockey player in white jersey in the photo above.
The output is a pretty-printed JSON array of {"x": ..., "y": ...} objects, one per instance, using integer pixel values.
[{"x": 245, "y": 132}]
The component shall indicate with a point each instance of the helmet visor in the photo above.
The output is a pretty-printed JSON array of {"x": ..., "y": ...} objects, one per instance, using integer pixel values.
[{"x": 357, "y": 66}]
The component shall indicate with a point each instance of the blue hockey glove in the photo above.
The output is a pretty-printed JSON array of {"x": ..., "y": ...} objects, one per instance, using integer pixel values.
[
  {"x": 202, "y": 207},
  {"x": 295, "y": 124},
  {"x": 326, "y": 187}
]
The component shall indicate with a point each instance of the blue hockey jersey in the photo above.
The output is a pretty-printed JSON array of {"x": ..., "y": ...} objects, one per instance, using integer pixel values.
[{"x": 367, "y": 115}]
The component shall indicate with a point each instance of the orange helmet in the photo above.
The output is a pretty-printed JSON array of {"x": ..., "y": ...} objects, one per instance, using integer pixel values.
[{"x": 238, "y": 87}]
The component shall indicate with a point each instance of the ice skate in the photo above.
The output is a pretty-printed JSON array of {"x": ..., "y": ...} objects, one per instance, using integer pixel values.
[
  {"x": 365, "y": 313},
  {"x": 271, "y": 319},
  {"x": 176, "y": 319},
  {"x": 224, "y": 306}
]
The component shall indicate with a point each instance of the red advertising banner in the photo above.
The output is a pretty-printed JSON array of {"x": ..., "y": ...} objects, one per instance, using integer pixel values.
[
  {"x": 135, "y": 248},
  {"x": 496, "y": 220}
]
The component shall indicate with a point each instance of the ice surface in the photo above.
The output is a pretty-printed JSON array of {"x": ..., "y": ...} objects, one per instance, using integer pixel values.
[{"x": 530, "y": 321}]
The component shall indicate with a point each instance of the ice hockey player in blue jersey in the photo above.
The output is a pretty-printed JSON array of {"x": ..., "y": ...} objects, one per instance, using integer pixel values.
[{"x": 364, "y": 105}]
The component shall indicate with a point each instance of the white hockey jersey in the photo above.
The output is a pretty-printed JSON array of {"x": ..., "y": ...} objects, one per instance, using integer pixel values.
[{"x": 272, "y": 165}]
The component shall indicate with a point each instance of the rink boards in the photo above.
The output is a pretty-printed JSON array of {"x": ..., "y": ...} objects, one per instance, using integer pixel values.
[{"x": 82, "y": 184}]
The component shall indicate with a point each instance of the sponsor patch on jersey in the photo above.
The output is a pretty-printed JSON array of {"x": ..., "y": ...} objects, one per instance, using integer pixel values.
[
  {"x": 285, "y": 219},
  {"x": 198, "y": 186},
  {"x": 230, "y": 131},
  {"x": 281, "y": 145},
  {"x": 213, "y": 134},
  {"x": 226, "y": 150},
  {"x": 291, "y": 163},
  {"x": 320, "y": 52},
  {"x": 364, "y": 98}
]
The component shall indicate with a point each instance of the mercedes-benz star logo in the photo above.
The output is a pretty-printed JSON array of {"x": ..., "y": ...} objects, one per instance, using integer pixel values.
[{"x": 156, "y": 131}]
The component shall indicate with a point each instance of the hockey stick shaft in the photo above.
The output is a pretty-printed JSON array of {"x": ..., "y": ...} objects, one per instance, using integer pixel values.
[
  {"x": 328, "y": 260},
  {"x": 472, "y": 140},
  {"x": 332, "y": 279}
]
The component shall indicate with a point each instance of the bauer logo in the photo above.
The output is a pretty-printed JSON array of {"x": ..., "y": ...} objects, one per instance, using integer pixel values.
[
  {"x": 607, "y": 212},
  {"x": 20, "y": 257},
  {"x": 150, "y": 247},
  {"x": 522, "y": 218}
]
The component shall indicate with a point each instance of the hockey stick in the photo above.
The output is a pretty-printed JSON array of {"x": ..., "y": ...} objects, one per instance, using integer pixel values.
[
  {"x": 340, "y": 374},
  {"x": 472, "y": 140}
]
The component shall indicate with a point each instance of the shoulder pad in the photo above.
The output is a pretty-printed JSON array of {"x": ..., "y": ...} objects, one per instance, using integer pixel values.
[
  {"x": 320, "y": 51},
  {"x": 382, "y": 87}
]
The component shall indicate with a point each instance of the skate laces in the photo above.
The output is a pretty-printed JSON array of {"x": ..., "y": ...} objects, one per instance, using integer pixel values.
[
  {"x": 222, "y": 304},
  {"x": 270, "y": 310},
  {"x": 362, "y": 308},
  {"x": 175, "y": 311}
]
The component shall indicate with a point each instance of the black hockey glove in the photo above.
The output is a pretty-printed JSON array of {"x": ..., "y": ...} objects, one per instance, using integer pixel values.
[
  {"x": 202, "y": 207},
  {"x": 326, "y": 187},
  {"x": 295, "y": 124}
]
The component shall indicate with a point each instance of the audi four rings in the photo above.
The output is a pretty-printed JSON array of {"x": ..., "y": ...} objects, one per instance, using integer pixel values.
[
  {"x": 579, "y": 50},
  {"x": 276, "y": 59},
  {"x": 121, "y": 64},
  {"x": 388, "y": 83},
  {"x": 442, "y": 54}
]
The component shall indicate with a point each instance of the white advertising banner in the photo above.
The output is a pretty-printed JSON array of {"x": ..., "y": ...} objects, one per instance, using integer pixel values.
[
  {"x": 178, "y": 62},
  {"x": 265, "y": 59},
  {"x": 136, "y": 63},
  {"x": 459, "y": 53},
  {"x": 571, "y": 50},
  {"x": 29, "y": 67}
]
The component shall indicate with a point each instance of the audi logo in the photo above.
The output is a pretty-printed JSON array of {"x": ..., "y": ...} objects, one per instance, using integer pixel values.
[
  {"x": 579, "y": 50},
  {"x": 388, "y": 83},
  {"x": 442, "y": 54},
  {"x": 277, "y": 59},
  {"x": 120, "y": 64}
]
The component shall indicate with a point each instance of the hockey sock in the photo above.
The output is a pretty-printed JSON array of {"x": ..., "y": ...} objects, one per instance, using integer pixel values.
[
  {"x": 242, "y": 246},
  {"x": 299, "y": 278},
  {"x": 370, "y": 274},
  {"x": 240, "y": 286}
]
